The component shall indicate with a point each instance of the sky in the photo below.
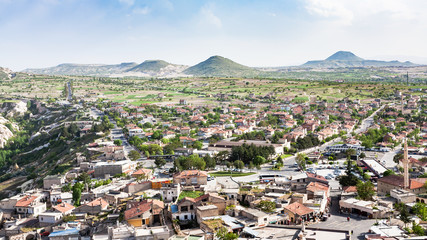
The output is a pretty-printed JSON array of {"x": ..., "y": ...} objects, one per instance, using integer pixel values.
[{"x": 257, "y": 33}]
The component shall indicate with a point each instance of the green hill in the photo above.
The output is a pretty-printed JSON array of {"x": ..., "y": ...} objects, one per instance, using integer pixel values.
[
  {"x": 344, "y": 56},
  {"x": 149, "y": 66},
  {"x": 217, "y": 66},
  {"x": 83, "y": 69}
]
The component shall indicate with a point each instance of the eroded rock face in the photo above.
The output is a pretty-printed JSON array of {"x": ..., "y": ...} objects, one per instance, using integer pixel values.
[
  {"x": 5, "y": 132},
  {"x": 14, "y": 108},
  {"x": 18, "y": 109}
]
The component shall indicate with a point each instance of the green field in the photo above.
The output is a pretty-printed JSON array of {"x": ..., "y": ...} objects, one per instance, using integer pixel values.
[{"x": 190, "y": 194}]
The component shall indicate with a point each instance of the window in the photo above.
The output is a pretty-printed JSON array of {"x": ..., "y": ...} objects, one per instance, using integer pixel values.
[
  {"x": 184, "y": 208},
  {"x": 191, "y": 207},
  {"x": 177, "y": 217},
  {"x": 185, "y": 217}
]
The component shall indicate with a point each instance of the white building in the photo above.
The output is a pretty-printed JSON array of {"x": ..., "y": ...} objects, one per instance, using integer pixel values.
[{"x": 49, "y": 218}]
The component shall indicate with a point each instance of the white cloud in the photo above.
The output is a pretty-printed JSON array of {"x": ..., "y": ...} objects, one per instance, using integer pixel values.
[
  {"x": 347, "y": 11},
  {"x": 141, "y": 11},
  {"x": 209, "y": 17}
]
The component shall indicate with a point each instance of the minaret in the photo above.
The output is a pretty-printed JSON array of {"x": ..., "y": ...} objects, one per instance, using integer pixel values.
[{"x": 405, "y": 166}]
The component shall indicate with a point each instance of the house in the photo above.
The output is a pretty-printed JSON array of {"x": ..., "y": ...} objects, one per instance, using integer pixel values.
[
  {"x": 315, "y": 187},
  {"x": 191, "y": 178},
  {"x": 185, "y": 130},
  {"x": 67, "y": 234},
  {"x": 53, "y": 180},
  {"x": 143, "y": 173},
  {"x": 111, "y": 168},
  {"x": 64, "y": 208},
  {"x": 298, "y": 212},
  {"x": 187, "y": 140},
  {"x": 259, "y": 217},
  {"x": 60, "y": 197},
  {"x": 139, "y": 214},
  {"x": 124, "y": 231},
  {"x": 170, "y": 192},
  {"x": 206, "y": 211},
  {"x": 95, "y": 207},
  {"x": 30, "y": 205},
  {"x": 183, "y": 102},
  {"x": 49, "y": 218},
  {"x": 185, "y": 209},
  {"x": 136, "y": 131},
  {"x": 388, "y": 183},
  {"x": 368, "y": 209}
]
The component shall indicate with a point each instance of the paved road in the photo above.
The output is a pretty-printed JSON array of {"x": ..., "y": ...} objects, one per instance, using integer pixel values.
[
  {"x": 387, "y": 158},
  {"x": 117, "y": 133},
  {"x": 70, "y": 93},
  {"x": 368, "y": 122},
  {"x": 95, "y": 113}
]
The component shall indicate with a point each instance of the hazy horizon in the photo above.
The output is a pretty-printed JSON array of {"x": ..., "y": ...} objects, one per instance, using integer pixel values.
[{"x": 45, "y": 33}]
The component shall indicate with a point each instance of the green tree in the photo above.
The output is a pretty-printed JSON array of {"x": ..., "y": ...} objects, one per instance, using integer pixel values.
[
  {"x": 267, "y": 206},
  {"x": 350, "y": 152},
  {"x": 198, "y": 145},
  {"x": 259, "y": 160},
  {"x": 365, "y": 190},
  {"x": 398, "y": 157},
  {"x": 418, "y": 230},
  {"x": 84, "y": 177},
  {"x": 210, "y": 161},
  {"x": 160, "y": 162},
  {"x": 239, "y": 164},
  {"x": 300, "y": 160},
  {"x": 77, "y": 193},
  {"x": 251, "y": 166},
  {"x": 388, "y": 172},
  {"x": 118, "y": 142},
  {"x": 349, "y": 179},
  {"x": 223, "y": 234},
  {"x": 134, "y": 155}
]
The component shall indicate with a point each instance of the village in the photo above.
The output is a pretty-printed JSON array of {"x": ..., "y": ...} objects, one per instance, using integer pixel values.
[{"x": 290, "y": 170}]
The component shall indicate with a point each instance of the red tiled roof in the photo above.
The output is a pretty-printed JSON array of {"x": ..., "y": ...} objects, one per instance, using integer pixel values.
[
  {"x": 135, "y": 211},
  {"x": 317, "y": 177},
  {"x": 191, "y": 173},
  {"x": 299, "y": 209},
  {"x": 349, "y": 189},
  {"x": 317, "y": 186},
  {"x": 97, "y": 202},
  {"x": 144, "y": 171},
  {"x": 63, "y": 207},
  {"x": 25, "y": 201},
  {"x": 397, "y": 180}
]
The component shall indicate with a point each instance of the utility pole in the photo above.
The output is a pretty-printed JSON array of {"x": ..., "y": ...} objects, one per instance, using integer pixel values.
[{"x": 405, "y": 166}]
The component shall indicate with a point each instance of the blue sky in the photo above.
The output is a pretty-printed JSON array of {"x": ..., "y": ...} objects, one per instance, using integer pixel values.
[{"x": 42, "y": 33}]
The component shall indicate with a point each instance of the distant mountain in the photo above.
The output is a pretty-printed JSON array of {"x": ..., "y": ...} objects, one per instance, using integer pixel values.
[
  {"x": 220, "y": 67},
  {"x": 149, "y": 66},
  {"x": 344, "y": 56},
  {"x": 83, "y": 69},
  {"x": 343, "y": 59}
]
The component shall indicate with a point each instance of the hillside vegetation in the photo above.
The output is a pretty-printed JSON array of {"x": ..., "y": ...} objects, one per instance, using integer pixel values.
[{"x": 220, "y": 67}]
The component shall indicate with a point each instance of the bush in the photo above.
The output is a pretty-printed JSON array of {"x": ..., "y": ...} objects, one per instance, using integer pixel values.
[
  {"x": 331, "y": 163},
  {"x": 309, "y": 162}
]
